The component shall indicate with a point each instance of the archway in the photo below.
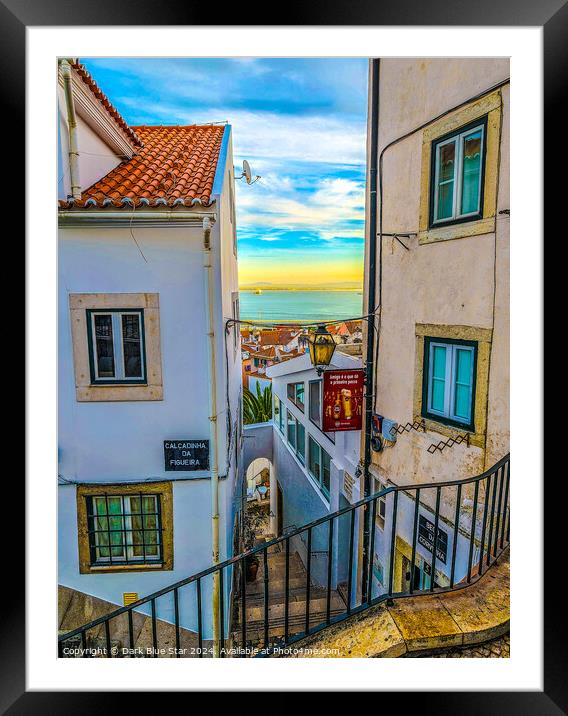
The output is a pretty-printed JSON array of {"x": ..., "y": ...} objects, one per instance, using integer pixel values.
[{"x": 262, "y": 498}]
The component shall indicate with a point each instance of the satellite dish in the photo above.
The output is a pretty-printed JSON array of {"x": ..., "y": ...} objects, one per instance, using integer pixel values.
[{"x": 247, "y": 173}]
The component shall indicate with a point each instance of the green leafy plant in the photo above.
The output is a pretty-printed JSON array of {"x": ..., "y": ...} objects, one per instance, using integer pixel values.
[{"x": 257, "y": 408}]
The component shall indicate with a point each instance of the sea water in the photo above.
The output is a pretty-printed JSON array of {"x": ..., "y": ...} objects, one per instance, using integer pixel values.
[{"x": 300, "y": 305}]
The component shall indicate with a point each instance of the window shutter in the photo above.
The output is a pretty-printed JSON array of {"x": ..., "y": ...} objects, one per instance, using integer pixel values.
[
  {"x": 463, "y": 372},
  {"x": 438, "y": 386}
]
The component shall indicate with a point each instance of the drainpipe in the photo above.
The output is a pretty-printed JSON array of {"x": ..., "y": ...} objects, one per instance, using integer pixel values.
[
  {"x": 72, "y": 130},
  {"x": 371, "y": 308},
  {"x": 212, "y": 381}
]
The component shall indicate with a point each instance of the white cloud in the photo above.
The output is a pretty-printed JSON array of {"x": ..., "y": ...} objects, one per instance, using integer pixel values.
[
  {"x": 290, "y": 152},
  {"x": 268, "y": 137},
  {"x": 328, "y": 209}
]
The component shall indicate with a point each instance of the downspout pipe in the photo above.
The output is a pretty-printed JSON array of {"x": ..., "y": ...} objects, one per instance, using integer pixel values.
[
  {"x": 213, "y": 432},
  {"x": 72, "y": 130},
  {"x": 374, "y": 71}
]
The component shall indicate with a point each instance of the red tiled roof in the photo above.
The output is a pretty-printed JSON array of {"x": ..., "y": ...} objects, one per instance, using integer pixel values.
[
  {"x": 103, "y": 99},
  {"x": 353, "y": 326},
  {"x": 175, "y": 165},
  {"x": 268, "y": 353},
  {"x": 284, "y": 337},
  {"x": 292, "y": 354},
  {"x": 269, "y": 338}
]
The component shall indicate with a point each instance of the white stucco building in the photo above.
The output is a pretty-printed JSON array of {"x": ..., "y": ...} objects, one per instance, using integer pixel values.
[
  {"x": 312, "y": 473},
  {"x": 147, "y": 279}
]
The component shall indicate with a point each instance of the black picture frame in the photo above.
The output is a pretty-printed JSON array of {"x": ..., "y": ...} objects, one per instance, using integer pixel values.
[{"x": 15, "y": 16}]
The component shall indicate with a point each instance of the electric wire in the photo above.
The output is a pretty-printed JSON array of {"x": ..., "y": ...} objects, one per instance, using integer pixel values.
[{"x": 296, "y": 324}]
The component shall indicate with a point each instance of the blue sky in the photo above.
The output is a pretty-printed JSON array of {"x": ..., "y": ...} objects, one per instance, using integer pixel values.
[{"x": 301, "y": 123}]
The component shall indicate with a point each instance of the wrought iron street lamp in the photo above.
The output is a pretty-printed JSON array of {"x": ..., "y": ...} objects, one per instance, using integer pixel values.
[{"x": 321, "y": 346}]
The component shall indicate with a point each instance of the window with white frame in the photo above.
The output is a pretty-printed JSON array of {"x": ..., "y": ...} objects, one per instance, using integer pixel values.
[
  {"x": 457, "y": 175},
  {"x": 449, "y": 381},
  {"x": 381, "y": 512},
  {"x": 116, "y": 346},
  {"x": 381, "y": 508},
  {"x": 319, "y": 465},
  {"x": 124, "y": 529}
]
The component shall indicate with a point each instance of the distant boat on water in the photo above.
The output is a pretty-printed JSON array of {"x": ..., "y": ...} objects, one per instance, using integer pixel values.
[{"x": 258, "y": 291}]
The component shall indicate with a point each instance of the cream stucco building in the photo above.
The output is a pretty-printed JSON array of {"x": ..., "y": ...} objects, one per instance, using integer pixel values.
[{"x": 441, "y": 275}]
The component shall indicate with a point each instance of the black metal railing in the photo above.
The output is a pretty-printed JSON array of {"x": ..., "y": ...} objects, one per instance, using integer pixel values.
[{"x": 434, "y": 538}]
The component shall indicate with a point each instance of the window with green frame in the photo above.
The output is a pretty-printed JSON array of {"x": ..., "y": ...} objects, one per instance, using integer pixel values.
[
  {"x": 296, "y": 435},
  {"x": 124, "y": 529},
  {"x": 295, "y": 393},
  {"x": 319, "y": 465},
  {"x": 449, "y": 381},
  {"x": 301, "y": 442},
  {"x": 278, "y": 414},
  {"x": 456, "y": 180},
  {"x": 291, "y": 429}
]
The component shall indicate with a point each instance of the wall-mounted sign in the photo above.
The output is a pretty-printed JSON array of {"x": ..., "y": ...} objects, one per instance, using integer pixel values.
[
  {"x": 342, "y": 400},
  {"x": 426, "y": 538},
  {"x": 186, "y": 455}
]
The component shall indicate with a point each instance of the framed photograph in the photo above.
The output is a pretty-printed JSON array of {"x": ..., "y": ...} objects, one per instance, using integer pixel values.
[{"x": 283, "y": 295}]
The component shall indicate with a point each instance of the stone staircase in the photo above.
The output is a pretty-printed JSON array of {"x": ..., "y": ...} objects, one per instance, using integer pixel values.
[
  {"x": 77, "y": 608},
  {"x": 277, "y": 598},
  {"x": 459, "y": 623}
]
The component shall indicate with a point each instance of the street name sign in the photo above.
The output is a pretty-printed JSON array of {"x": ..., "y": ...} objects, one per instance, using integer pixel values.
[
  {"x": 186, "y": 455},
  {"x": 426, "y": 538}
]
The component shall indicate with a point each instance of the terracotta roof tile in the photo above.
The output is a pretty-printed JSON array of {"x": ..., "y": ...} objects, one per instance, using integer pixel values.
[
  {"x": 174, "y": 165},
  {"x": 269, "y": 338},
  {"x": 268, "y": 353},
  {"x": 284, "y": 337},
  {"x": 292, "y": 354},
  {"x": 353, "y": 326}
]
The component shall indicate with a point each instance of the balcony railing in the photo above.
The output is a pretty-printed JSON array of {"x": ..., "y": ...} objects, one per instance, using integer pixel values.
[{"x": 434, "y": 538}]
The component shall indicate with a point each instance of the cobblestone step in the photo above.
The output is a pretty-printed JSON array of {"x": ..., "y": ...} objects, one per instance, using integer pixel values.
[{"x": 495, "y": 649}]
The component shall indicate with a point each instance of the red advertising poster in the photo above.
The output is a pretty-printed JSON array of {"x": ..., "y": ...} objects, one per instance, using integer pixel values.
[{"x": 342, "y": 400}]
